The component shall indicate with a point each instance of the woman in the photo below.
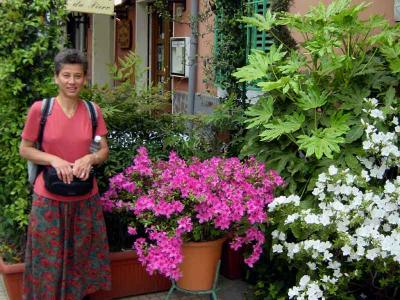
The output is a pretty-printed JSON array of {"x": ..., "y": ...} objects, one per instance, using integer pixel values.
[{"x": 67, "y": 252}]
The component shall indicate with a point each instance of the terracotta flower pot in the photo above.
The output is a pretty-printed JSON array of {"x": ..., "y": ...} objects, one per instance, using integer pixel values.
[
  {"x": 12, "y": 277},
  {"x": 128, "y": 277},
  {"x": 199, "y": 264}
]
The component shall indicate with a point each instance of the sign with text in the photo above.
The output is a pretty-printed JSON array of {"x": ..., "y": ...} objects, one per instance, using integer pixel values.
[{"x": 104, "y": 7}]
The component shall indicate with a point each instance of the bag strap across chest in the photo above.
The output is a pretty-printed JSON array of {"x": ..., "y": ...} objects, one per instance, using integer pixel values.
[{"x": 47, "y": 106}]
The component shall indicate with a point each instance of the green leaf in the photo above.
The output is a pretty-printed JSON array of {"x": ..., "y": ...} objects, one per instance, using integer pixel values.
[
  {"x": 355, "y": 133},
  {"x": 321, "y": 143},
  {"x": 260, "y": 113},
  {"x": 256, "y": 69},
  {"x": 312, "y": 99},
  {"x": 339, "y": 123},
  {"x": 290, "y": 124},
  {"x": 352, "y": 162},
  {"x": 273, "y": 85},
  {"x": 263, "y": 23}
]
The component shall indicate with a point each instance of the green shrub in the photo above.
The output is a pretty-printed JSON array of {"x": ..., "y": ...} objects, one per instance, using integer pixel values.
[
  {"x": 309, "y": 113},
  {"x": 30, "y": 36}
]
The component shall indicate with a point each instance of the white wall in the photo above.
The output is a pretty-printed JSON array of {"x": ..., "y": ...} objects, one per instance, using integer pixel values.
[{"x": 103, "y": 41}]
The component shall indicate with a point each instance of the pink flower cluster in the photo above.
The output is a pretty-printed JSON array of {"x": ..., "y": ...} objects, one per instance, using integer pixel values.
[{"x": 176, "y": 201}]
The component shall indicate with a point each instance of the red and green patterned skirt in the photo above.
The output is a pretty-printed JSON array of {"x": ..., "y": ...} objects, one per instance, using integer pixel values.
[{"x": 67, "y": 253}]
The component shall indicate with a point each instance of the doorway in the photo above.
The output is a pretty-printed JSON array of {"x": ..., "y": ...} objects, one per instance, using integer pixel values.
[{"x": 160, "y": 51}]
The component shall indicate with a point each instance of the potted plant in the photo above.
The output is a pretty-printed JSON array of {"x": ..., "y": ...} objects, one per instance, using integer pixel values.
[{"x": 170, "y": 203}]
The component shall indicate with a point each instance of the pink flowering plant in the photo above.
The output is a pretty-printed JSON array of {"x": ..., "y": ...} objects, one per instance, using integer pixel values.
[{"x": 176, "y": 201}]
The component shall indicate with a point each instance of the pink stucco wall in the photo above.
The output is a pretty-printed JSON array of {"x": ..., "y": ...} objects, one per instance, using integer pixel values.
[
  {"x": 206, "y": 38},
  {"x": 379, "y": 7},
  {"x": 205, "y": 46}
]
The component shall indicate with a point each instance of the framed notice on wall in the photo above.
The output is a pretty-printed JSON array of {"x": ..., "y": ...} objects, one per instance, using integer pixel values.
[
  {"x": 124, "y": 34},
  {"x": 179, "y": 56}
]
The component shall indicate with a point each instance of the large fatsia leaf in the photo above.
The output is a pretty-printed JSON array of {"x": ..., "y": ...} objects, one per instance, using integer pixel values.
[
  {"x": 321, "y": 142},
  {"x": 312, "y": 99},
  {"x": 339, "y": 123},
  {"x": 273, "y": 85},
  {"x": 262, "y": 22},
  {"x": 260, "y": 113},
  {"x": 275, "y": 129},
  {"x": 259, "y": 64},
  {"x": 256, "y": 69}
]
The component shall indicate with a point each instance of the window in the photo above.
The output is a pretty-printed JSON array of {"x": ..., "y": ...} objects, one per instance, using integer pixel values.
[
  {"x": 255, "y": 38},
  {"x": 232, "y": 45}
]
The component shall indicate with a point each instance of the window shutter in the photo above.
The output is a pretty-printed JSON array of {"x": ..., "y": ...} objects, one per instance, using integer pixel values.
[{"x": 256, "y": 39}]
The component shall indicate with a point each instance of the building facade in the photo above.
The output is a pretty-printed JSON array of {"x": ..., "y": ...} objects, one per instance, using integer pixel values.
[{"x": 160, "y": 42}]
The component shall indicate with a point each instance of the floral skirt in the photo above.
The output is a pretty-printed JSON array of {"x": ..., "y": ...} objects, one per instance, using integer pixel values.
[{"x": 67, "y": 253}]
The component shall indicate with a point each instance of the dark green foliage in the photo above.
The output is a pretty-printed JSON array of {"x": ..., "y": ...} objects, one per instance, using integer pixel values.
[
  {"x": 31, "y": 34},
  {"x": 230, "y": 43},
  {"x": 281, "y": 33}
]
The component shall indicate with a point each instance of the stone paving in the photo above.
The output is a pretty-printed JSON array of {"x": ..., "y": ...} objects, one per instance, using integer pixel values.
[{"x": 228, "y": 290}]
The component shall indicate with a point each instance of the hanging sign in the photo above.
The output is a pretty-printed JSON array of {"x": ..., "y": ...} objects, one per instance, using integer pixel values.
[{"x": 104, "y": 7}]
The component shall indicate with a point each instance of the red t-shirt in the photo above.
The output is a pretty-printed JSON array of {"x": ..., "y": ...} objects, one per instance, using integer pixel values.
[{"x": 67, "y": 138}]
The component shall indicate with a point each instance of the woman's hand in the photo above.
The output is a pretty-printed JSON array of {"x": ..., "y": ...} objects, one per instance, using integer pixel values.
[
  {"x": 63, "y": 168},
  {"x": 82, "y": 167}
]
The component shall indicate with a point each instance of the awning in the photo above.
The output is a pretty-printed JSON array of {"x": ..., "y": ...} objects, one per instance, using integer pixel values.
[{"x": 104, "y": 7}]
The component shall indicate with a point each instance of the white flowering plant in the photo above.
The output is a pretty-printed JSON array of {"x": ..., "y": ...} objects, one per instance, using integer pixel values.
[{"x": 347, "y": 246}]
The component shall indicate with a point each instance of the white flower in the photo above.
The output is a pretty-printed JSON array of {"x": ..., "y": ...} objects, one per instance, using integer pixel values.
[
  {"x": 304, "y": 281},
  {"x": 322, "y": 177},
  {"x": 377, "y": 114},
  {"x": 332, "y": 170},
  {"x": 277, "y": 248},
  {"x": 291, "y": 218},
  {"x": 395, "y": 121},
  {"x": 397, "y": 129},
  {"x": 373, "y": 101},
  {"x": 293, "y": 292},
  {"x": 372, "y": 253},
  {"x": 275, "y": 234},
  {"x": 312, "y": 266},
  {"x": 367, "y": 145},
  {"x": 346, "y": 250},
  {"x": 365, "y": 175},
  {"x": 389, "y": 187},
  {"x": 311, "y": 219}
]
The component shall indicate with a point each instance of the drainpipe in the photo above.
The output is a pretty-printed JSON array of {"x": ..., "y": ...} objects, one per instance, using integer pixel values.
[{"x": 193, "y": 55}]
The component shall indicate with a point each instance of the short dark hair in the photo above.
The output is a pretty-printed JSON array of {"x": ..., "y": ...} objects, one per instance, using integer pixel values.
[{"x": 70, "y": 56}]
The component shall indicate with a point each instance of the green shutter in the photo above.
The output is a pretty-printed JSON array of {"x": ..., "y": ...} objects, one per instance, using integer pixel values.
[{"x": 256, "y": 39}]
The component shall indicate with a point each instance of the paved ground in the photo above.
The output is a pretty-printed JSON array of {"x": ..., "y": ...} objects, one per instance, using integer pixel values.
[{"x": 228, "y": 290}]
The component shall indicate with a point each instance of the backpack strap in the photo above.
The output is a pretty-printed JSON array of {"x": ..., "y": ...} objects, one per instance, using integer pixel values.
[
  {"x": 93, "y": 115},
  {"x": 47, "y": 106}
]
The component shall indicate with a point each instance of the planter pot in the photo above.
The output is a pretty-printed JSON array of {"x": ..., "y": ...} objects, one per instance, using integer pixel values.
[
  {"x": 199, "y": 265},
  {"x": 12, "y": 277},
  {"x": 232, "y": 262},
  {"x": 128, "y": 277}
]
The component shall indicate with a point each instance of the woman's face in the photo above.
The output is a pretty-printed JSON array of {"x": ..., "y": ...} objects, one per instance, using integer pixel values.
[{"x": 70, "y": 80}]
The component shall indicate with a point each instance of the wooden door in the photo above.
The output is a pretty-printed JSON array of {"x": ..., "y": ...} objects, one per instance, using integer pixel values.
[{"x": 160, "y": 68}]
